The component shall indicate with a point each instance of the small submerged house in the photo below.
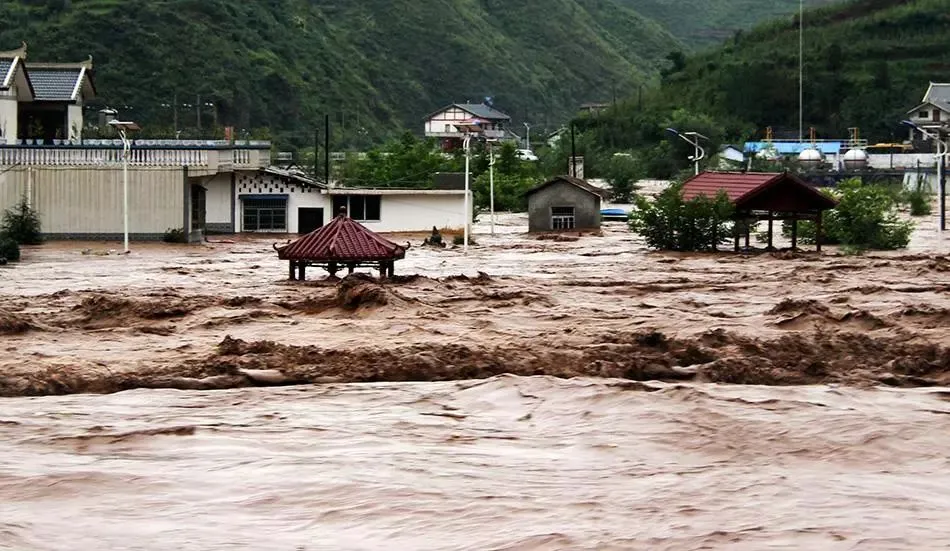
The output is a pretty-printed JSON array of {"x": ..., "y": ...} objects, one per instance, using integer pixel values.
[{"x": 564, "y": 203}]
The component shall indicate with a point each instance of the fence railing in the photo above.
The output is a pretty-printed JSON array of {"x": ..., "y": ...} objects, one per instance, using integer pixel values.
[{"x": 140, "y": 155}]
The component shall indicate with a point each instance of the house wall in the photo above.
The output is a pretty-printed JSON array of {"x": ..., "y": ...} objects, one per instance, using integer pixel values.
[
  {"x": 74, "y": 121},
  {"x": 419, "y": 213},
  {"x": 562, "y": 194},
  {"x": 8, "y": 116},
  {"x": 218, "y": 208},
  {"x": 87, "y": 203}
]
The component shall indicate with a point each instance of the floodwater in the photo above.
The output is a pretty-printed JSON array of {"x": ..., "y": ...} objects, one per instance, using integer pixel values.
[{"x": 503, "y": 399}]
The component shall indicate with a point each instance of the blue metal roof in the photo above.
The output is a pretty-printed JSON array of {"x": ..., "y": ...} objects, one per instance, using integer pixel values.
[
  {"x": 794, "y": 148},
  {"x": 54, "y": 84}
]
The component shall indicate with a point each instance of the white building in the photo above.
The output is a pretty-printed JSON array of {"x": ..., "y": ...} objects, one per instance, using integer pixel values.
[
  {"x": 41, "y": 103},
  {"x": 443, "y": 124},
  {"x": 273, "y": 200},
  {"x": 933, "y": 111}
]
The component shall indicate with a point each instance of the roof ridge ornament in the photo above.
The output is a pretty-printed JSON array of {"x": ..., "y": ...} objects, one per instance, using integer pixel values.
[{"x": 19, "y": 52}]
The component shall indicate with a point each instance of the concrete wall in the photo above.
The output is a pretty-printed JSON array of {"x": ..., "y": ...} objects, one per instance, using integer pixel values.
[
  {"x": 8, "y": 117},
  {"x": 88, "y": 202},
  {"x": 419, "y": 212},
  {"x": 218, "y": 208},
  {"x": 562, "y": 194}
]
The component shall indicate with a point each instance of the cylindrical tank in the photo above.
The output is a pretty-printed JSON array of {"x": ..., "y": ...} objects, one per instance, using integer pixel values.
[
  {"x": 810, "y": 158},
  {"x": 856, "y": 159}
]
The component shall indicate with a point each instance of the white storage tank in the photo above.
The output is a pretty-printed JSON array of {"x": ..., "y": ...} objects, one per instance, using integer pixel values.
[
  {"x": 856, "y": 159},
  {"x": 810, "y": 158}
]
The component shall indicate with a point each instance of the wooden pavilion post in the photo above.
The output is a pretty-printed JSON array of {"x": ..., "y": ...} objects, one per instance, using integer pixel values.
[
  {"x": 794, "y": 232},
  {"x": 771, "y": 221},
  {"x": 735, "y": 232},
  {"x": 302, "y": 270},
  {"x": 818, "y": 232},
  {"x": 293, "y": 267},
  {"x": 748, "y": 235}
]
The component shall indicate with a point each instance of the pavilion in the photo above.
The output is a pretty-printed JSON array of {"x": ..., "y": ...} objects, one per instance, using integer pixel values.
[
  {"x": 341, "y": 243},
  {"x": 759, "y": 196}
]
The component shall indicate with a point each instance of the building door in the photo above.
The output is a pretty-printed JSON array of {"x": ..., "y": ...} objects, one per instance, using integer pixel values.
[
  {"x": 936, "y": 115},
  {"x": 309, "y": 219},
  {"x": 198, "y": 194}
]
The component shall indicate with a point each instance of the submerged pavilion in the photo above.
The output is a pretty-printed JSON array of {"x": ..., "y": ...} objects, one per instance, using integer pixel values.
[{"x": 343, "y": 243}]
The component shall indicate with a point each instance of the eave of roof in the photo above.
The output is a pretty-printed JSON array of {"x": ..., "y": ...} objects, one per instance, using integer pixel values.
[
  {"x": 576, "y": 182},
  {"x": 342, "y": 240},
  {"x": 745, "y": 186},
  {"x": 468, "y": 108}
]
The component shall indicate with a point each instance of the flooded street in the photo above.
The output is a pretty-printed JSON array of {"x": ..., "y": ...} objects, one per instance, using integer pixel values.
[
  {"x": 506, "y": 463},
  {"x": 504, "y": 399}
]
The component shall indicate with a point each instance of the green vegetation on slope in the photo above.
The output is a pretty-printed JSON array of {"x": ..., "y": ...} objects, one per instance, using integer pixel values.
[
  {"x": 866, "y": 63},
  {"x": 375, "y": 65},
  {"x": 705, "y": 22}
]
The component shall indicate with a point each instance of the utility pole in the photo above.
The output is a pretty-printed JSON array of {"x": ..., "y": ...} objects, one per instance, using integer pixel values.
[
  {"x": 175, "y": 112},
  {"x": 316, "y": 154},
  {"x": 198, "y": 108},
  {"x": 326, "y": 149}
]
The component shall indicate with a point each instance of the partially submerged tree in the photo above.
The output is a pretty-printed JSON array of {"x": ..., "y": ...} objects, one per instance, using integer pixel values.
[
  {"x": 673, "y": 224},
  {"x": 22, "y": 224}
]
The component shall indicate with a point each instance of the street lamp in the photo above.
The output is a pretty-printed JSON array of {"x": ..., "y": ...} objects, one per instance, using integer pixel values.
[
  {"x": 123, "y": 127},
  {"x": 942, "y": 151},
  {"x": 470, "y": 129},
  {"x": 491, "y": 185},
  {"x": 692, "y": 138}
]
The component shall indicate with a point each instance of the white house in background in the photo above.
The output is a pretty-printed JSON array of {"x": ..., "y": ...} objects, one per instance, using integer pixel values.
[
  {"x": 933, "y": 111},
  {"x": 443, "y": 124},
  {"x": 42, "y": 102},
  {"x": 730, "y": 156},
  {"x": 273, "y": 200}
]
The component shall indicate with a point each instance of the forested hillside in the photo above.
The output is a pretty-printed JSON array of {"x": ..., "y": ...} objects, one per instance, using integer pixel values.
[
  {"x": 866, "y": 63},
  {"x": 701, "y": 23},
  {"x": 375, "y": 65}
]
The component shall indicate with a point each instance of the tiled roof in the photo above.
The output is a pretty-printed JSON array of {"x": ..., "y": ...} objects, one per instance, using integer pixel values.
[
  {"x": 570, "y": 180},
  {"x": 5, "y": 65},
  {"x": 54, "y": 84},
  {"x": 483, "y": 111},
  {"x": 938, "y": 94},
  {"x": 743, "y": 186},
  {"x": 342, "y": 240}
]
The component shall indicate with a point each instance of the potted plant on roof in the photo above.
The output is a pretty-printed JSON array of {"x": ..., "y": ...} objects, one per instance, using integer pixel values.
[
  {"x": 74, "y": 135},
  {"x": 36, "y": 131},
  {"x": 58, "y": 137}
]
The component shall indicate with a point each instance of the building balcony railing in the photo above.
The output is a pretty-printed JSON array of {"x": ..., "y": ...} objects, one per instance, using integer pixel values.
[
  {"x": 204, "y": 156},
  {"x": 490, "y": 134}
]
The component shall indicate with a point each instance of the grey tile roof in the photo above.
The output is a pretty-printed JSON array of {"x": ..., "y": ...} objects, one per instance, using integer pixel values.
[
  {"x": 4, "y": 69},
  {"x": 938, "y": 94},
  {"x": 483, "y": 111},
  {"x": 54, "y": 84}
]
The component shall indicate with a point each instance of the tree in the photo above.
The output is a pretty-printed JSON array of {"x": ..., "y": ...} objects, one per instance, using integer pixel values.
[
  {"x": 622, "y": 175},
  {"x": 22, "y": 224},
  {"x": 672, "y": 224}
]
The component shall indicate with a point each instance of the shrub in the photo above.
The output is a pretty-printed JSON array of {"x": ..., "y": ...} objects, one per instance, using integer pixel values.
[
  {"x": 22, "y": 224},
  {"x": 865, "y": 218},
  {"x": 670, "y": 223},
  {"x": 176, "y": 235},
  {"x": 919, "y": 202},
  {"x": 9, "y": 249}
]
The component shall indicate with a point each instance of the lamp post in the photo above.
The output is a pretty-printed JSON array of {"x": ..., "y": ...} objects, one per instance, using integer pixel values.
[
  {"x": 942, "y": 151},
  {"x": 491, "y": 186},
  {"x": 466, "y": 144},
  {"x": 123, "y": 127},
  {"x": 692, "y": 138}
]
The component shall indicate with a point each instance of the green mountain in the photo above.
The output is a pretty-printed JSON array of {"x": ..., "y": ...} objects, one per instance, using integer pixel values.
[
  {"x": 702, "y": 23},
  {"x": 374, "y": 65},
  {"x": 867, "y": 62}
]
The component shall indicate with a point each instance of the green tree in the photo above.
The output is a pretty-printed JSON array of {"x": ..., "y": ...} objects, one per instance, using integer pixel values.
[
  {"x": 673, "y": 224},
  {"x": 22, "y": 224},
  {"x": 622, "y": 175}
]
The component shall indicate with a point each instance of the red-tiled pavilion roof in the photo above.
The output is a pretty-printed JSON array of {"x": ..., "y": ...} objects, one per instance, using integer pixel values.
[
  {"x": 342, "y": 240},
  {"x": 741, "y": 187}
]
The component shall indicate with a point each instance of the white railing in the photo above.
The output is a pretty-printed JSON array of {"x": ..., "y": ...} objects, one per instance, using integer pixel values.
[{"x": 141, "y": 155}]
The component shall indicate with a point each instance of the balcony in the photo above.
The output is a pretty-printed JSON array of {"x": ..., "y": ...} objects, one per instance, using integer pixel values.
[
  {"x": 202, "y": 157},
  {"x": 488, "y": 134}
]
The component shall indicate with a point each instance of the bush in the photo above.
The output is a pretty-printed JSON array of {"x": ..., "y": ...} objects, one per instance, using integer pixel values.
[
  {"x": 22, "y": 224},
  {"x": 9, "y": 249},
  {"x": 176, "y": 235},
  {"x": 919, "y": 202},
  {"x": 670, "y": 223},
  {"x": 865, "y": 218}
]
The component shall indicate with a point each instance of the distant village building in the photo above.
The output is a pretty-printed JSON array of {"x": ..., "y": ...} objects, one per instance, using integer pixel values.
[
  {"x": 42, "y": 102},
  {"x": 594, "y": 109},
  {"x": 933, "y": 113},
  {"x": 444, "y": 123},
  {"x": 564, "y": 203}
]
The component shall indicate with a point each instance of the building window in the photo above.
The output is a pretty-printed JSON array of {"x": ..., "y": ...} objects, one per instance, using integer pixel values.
[
  {"x": 362, "y": 208},
  {"x": 264, "y": 214},
  {"x": 448, "y": 128},
  {"x": 562, "y": 218},
  {"x": 923, "y": 115}
]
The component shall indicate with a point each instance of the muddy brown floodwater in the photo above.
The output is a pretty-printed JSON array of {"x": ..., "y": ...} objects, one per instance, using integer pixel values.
[{"x": 533, "y": 394}]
